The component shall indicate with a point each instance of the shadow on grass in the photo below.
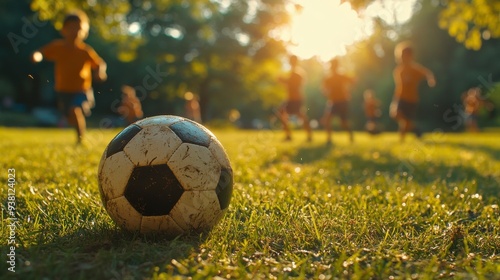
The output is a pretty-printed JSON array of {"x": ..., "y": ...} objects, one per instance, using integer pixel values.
[
  {"x": 312, "y": 154},
  {"x": 102, "y": 254},
  {"x": 493, "y": 152},
  {"x": 352, "y": 168}
]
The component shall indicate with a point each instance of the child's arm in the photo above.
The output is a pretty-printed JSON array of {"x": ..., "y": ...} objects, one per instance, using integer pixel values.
[
  {"x": 48, "y": 52},
  {"x": 283, "y": 80},
  {"x": 396, "y": 75},
  {"x": 98, "y": 65},
  {"x": 431, "y": 81},
  {"x": 429, "y": 76},
  {"x": 100, "y": 73}
]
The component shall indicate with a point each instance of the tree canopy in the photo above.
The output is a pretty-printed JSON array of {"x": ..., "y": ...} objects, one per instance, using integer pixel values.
[{"x": 472, "y": 21}]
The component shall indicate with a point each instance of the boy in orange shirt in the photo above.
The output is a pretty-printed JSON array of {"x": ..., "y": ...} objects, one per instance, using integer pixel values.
[
  {"x": 192, "y": 107},
  {"x": 294, "y": 104},
  {"x": 407, "y": 76},
  {"x": 74, "y": 64},
  {"x": 336, "y": 89}
]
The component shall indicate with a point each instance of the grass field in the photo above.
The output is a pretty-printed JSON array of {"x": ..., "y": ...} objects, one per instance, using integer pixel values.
[{"x": 376, "y": 209}]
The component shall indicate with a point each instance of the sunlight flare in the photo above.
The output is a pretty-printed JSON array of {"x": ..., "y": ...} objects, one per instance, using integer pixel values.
[{"x": 325, "y": 28}]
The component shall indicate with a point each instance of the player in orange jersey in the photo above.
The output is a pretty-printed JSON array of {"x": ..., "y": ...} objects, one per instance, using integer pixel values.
[
  {"x": 74, "y": 65},
  {"x": 473, "y": 102},
  {"x": 295, "y": 101},
  {"x": 192, "y": 107},
  {"x": 336, "y": 89},
  {"x": 407, "y": 76},
  {"x": 130, "y": 107}
]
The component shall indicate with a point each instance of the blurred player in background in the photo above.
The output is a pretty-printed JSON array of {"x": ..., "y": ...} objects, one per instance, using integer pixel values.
[
  {"x": 473, "y": 102},
  {"x": 372, "y": 111},
  {"x": 192, "y": 107},
  {"x": 130, "y": 108},
  {"x": 294, "y": 105},
  {"x": 336, "y": 88},
  {"x": 75, "y": 63},
  {"x": 407, "y": 76}
]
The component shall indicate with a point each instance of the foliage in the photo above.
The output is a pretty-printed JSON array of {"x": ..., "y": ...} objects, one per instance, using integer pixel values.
[
  {"x": 228, "y": 53},
  {"x": 375, "y": 209},
  {"x": 217, "y": 49},
  {"x": 471, "y": 21}
]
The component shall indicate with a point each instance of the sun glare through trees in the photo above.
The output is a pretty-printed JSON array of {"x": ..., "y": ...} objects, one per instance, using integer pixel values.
[{"x": 326, "y": 28}]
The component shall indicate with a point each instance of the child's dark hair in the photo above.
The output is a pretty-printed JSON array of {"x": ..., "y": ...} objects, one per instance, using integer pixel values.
[
  {"x": 334, "y": 63},
  {"x": 293, "y": 59},
  {"x": 76, "y": 16},
  {"x": 403, "y": 49}
]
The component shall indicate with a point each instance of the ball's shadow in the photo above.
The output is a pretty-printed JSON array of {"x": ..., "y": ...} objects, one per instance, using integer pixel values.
[{"x": 120, "y": 252}]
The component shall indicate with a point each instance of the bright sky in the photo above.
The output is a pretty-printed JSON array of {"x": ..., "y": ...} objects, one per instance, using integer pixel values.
[{"x": 326, "y": 27}]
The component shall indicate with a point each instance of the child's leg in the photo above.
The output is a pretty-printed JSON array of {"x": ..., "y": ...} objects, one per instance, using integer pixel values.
[
  {"x": 402, "y": 131},
  {"x": 406, "y": 113},
  {"x": 283, "y": 117},
  {"x": 327, "y": 122},
  {"x": 73, "y": 107},
  {"x": 410, "y": 125},
  {"x": 345, "y": 125},
  {"x": 405, "y": 125},
  {"x": 472, "y": 124},
  {"x": 77, "y": 119},
  {"x": 86, "y": 109},
  {"x": 307, "y": 127},
  {"x": 344, "y": 119}
]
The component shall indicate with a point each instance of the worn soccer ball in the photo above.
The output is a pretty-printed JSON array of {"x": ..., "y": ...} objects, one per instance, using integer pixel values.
[{"x": 165, "y": 174}]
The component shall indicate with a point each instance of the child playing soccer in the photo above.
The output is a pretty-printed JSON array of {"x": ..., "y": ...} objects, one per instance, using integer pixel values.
[
  {"x": 336, "y": 89},
  {"x": 192, "y": 107},
  {"x": 407, "y": 76},
  {"x": 130, "y": 108},
  {"x": 294, "y": 104},
  {"x": 473, "y": 103},
  {"x": 74, "y": 64},
  {"x": 372, "y": 111}
]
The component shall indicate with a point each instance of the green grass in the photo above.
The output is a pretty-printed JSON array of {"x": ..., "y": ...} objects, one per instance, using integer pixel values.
[{"x": 376, "y": 209}]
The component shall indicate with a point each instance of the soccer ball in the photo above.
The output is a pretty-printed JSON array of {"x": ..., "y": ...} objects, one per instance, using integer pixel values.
[{"x": 165, "y": 174}]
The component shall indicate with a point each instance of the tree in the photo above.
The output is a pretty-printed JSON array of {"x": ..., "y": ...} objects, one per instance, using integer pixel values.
[
  {"x": 221, "y": 50},
  {"x": 471, "y": 21}
]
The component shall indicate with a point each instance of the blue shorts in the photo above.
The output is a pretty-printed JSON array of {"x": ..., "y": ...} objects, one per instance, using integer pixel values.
[{"x": 66, "y": 101}]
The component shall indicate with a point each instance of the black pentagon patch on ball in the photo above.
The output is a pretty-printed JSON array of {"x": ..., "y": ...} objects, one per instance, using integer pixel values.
[
  {"x": 121, "y": 140},
  {"x": 190, "y": 132},
  {"x": 224, "y": 188},
  {"x": 153, "y": 190}
]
